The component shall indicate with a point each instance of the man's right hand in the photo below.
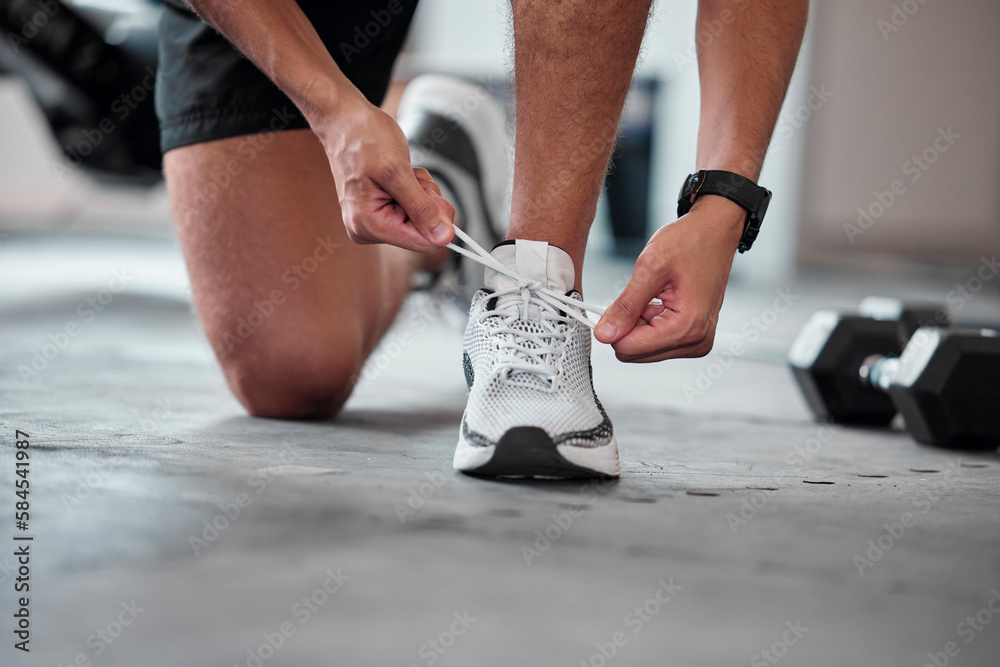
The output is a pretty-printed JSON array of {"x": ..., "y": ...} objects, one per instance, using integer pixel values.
[{"x": 382, "y": 198}]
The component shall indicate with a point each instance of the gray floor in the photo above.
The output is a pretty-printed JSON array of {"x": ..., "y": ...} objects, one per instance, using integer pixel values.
[{"x": 757, "y": 519}]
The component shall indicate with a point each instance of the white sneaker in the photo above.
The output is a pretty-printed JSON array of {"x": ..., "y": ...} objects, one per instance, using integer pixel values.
[
  {"x": 532, "y": 410},
  {"x": 457, "y": 132}
]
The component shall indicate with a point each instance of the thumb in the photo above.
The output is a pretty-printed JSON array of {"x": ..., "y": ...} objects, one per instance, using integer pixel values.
[
  {"x": 621, "y": 316},
  {"x": 425, "y": 214}
]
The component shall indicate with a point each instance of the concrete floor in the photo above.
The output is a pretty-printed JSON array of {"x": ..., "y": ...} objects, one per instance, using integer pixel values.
[{"x": 738, "y": 525}]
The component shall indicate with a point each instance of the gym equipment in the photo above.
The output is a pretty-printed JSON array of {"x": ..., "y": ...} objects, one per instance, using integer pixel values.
[
  {"x": 908, "y": 315},
  {"x": 854, "y": 369},
  {"x": 829, "y": 351}
]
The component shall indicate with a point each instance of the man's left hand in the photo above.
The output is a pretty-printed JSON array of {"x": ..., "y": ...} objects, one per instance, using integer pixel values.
[{"x": 686, "y": 266}]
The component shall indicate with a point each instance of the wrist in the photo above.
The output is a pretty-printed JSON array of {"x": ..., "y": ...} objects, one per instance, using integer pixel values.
[
  {"x": 728, "y": 217},
  {"x": 326, "y": 101},
  {"x": 742, "y": 162}
]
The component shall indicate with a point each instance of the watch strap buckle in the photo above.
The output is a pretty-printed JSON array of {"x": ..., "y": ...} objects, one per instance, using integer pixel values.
[{"x": 697, "y": 182}]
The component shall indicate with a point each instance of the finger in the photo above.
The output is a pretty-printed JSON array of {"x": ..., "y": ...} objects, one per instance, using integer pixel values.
[
  {"x": 652, "y": 310},
  {"x": 669, "y": 335},
  {"x": 432, "y": 188},
  {"x": 622, "y": 315},
  {"x": 426, "y": 180},
  {"x": 395, "y": 233},
  {"x": 449, "y": 210},
  {"x": 422, "y": 211},
  {"x": 375, "y": 218},
  {"x": 690, "y": 352}
]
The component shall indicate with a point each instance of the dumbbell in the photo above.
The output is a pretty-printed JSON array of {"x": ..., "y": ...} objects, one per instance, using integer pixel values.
[{"x": 945, "y": 383}]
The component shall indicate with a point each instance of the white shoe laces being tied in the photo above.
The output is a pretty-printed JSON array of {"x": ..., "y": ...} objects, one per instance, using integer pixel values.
[{"x": 529, "y": 352}]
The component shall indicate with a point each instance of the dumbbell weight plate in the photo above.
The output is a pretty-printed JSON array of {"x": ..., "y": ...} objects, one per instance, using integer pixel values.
[
  {"x": 826, "y": 357},
  {"x": 948, "y": 388}
]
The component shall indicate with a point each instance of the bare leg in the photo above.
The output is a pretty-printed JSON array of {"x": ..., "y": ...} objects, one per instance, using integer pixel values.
[
  {"x": 290, "y": 305},
  {"x": 573, "y": 63}
]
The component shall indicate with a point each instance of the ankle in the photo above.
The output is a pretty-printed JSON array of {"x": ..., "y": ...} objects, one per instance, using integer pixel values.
[{"x": 571, "y": 247}]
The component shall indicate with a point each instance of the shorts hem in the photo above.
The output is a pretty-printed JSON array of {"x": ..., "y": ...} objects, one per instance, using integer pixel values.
[{"x": 211, "y": 124}]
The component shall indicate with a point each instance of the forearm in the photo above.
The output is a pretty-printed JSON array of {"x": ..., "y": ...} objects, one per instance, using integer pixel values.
[
  {"x": 744, "y": 67},
  {"x": 280, "y": 40}
]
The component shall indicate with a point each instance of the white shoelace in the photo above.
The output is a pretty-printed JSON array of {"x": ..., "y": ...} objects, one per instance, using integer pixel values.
[{"x": 538, "y": 353}]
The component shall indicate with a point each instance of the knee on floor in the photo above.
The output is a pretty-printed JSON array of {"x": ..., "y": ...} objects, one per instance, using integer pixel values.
[{"x": 292, "y": 380}]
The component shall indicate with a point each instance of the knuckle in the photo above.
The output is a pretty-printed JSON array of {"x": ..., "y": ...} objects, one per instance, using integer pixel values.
[
  {"x": 352, "y": 234},
  {"x": 357, "y": 233},
  {"x": 647, "y": 264},
  {"x": 629, "y": 305},
  {"x": 622, "y": 356},
  {"x": 699, "y": 334},
  {"x": 699, "y": 351},
  {"x": 422, "y": 211},
  {"x": 627, "y": 309},
  {"x": 388, "y": 173}
]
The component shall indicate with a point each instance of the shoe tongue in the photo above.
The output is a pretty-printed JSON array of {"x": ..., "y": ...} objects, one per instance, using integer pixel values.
[{"x": 533, "y": 260}]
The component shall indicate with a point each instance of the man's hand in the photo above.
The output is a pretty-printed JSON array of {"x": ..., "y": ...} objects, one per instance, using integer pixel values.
[
  {"x": 382, "y": 198},
  {"x": 686, "y": 266}
]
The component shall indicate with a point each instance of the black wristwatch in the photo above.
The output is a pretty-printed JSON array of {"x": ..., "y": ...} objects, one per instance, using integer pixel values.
[{"x": 738, "y": 189}]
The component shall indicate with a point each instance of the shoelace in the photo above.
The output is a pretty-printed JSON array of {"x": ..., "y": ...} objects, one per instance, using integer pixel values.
[
  {"x": 533, "y": 288},
  {"x": 533, "y": 352}
]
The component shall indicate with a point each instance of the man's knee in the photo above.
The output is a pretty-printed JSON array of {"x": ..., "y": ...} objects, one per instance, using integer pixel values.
[{"x": 294, "y": 380}]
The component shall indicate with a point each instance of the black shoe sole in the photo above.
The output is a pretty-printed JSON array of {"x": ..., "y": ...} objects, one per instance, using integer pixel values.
[{"x": 528, "y": 451}]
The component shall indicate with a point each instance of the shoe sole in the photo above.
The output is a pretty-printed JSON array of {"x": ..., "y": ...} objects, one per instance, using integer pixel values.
[{"x": 528, "y": 451}]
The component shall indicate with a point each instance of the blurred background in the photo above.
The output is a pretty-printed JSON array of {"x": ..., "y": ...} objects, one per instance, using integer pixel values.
[
  {"x": 884, "y": 91},
  {"x": 884, "y": 166}
]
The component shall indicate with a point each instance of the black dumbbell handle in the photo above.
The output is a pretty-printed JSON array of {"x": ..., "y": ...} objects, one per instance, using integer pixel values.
[{"x": 878, "y": 371}]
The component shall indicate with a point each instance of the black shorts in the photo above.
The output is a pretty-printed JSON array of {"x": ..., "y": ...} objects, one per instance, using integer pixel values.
[{"x": 207, "y": 90}]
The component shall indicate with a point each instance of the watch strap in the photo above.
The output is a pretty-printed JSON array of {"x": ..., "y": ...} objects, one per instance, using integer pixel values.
[{"x": 739, "y": 189}]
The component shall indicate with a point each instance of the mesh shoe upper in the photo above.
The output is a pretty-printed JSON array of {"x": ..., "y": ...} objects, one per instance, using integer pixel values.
[{"x": 527, "y": 361}]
